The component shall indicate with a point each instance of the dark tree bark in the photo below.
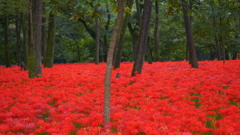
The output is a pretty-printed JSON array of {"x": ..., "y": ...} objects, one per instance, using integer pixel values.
[
  {"x": 107, "y": 81},
  {"x": 49, "y": 57},
  {"x": 120, "y": 42},
  {"x": 156, "y": 31},
  {"x": 221, "y": 42},
  {"x": 218, "y": 50},
  {"x": 138, "y": 11},
  {"x": 105, "y": 41},
  {"x": 189, "y": 35},
  {"x": 35, "y": 25},
  {"x": 18, "y": 43},
  {"x": 37, "y": 29},
  {"x": 134, "y": 35},
  {"x": 6, "y": 42},
  {"x": 97, "y": 38},
  {"x": 31, "y": 58},
  {"x": 149, "y": 55},
  {"x": 44, "y": 36},
  {"x": 142, "y": 42},
  {"x": 25, "y": 38}
]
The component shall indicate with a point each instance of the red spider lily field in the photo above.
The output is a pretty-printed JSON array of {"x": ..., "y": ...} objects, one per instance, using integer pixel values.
[{"x": 167, "y": 98}]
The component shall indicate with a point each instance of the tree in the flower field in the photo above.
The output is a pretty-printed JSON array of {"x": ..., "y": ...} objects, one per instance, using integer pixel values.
[
  {"x": 189, "y": 35},
  {"x": 6, "y": 42},
  {"x": 120, "y": 42},
  {"x": 49, "y": 55},
  {"x": 107, "y": 81},
  {"x": 142, "y": 42},
  {"x": 6, "y": 37},
  {"x": 97, "y": 37},
  {"x": 35, "y": 25}
]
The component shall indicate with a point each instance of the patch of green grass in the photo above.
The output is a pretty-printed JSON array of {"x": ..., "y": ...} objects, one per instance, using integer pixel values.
[
  {"x": 114, "y": 129},
  {"x": 78, "y": 125},
  {"x": 225, "y": 87},
  {"x": 46, "y": 115},
  {"x": 163, "y": 98},
  {"x": 52, "y": 103}
]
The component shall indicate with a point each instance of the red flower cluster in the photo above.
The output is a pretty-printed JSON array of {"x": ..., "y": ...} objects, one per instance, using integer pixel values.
[{"x": 167, "y": 98}]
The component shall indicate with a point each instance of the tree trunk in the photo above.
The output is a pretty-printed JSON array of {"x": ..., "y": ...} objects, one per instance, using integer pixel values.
[
  {"x": 189, "y": 35},
  {"x": 6, "y": 42},
  {"x": 103, "y": 52},
  {"x": 37, "y": 36},
  {"x": 142, "y": 42},
  {"x": 187, "y": 52},
  {"x": 221, "y": 42},
  {"x": 120, "y": 42},
  {"x": 18, "y": 37},
  {"x": 149, "y": 55},
  {"x": 97, "y": 37},
  {"x": 49, "y": 58},
  {"x": 25, "y": 38},
  {"x": 44, "y": 37},
  {"x": 156, "y": 31},
  {"x": 107, "y": 81},
  {"x": 31, "y": 59},
  {"x": 134, "y": 36},
  {"x": 218, "y": 50},
  {"x": 138, "y": 12}
]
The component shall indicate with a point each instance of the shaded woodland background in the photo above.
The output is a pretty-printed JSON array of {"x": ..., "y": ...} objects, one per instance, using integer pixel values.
[{"x": 215, "y": 25}]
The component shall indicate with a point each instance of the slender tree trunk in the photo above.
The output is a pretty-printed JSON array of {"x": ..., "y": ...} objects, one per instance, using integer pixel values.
[
  {"x": 6, "y": 42},
  {"x": 149, "y": 55},
  {"x": 218, "y": 47},
  {"x": 221, "y": 42},
  {"x": 78, "y": 52},
  {"x": 187, "y": 52},
  {"x": 216, "y": 38},
  {"x": 25, "y": 38},
  {"x": 156, "y": 31},
  {"x": 103, "y": 52},
  {"x": 189, "y": 35},
  {"x": 134, "y": 36},
  {"x": 138, "y": 11},
  {"x": 44, "y": 36},
  {"x": 142, "y": 42},
  {"x": 97, "y": 37},
  {"x": 18, "y": 37},
  {"x": 49, "y": 58},
  {"x": 107, "y": 82},
  {"x": 120, "y": 42}
]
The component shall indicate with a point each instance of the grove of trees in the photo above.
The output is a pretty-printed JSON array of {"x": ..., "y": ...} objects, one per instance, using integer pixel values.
[{"x": 70, "y": 30}]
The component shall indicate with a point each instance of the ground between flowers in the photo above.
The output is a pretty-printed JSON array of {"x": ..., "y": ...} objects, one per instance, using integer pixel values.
[{"x": 168, "y": 98}]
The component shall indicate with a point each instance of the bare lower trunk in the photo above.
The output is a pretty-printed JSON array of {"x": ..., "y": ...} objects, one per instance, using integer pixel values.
[
  {"x": 107, "y": 81},
  {"x": 142, "y": 43},
  {"x": 189, "y": 35},
  {"x": 156, "y": 31},
  {"x": 49, "y": 57},
  {"x": 18, "y": 37},
  {"x": 6, "y": 42},
  {"x": 120, "y": 43},
  {"x": 97, "y": 37}
]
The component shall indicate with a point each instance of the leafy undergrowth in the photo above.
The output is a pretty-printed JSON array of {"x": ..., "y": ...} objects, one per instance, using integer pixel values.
[{"x": 168, "y": 98}]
